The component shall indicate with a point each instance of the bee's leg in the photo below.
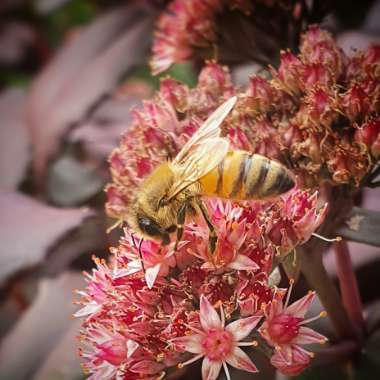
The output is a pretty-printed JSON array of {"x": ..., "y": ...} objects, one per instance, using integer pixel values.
[
  {"x": 180, "y": 222},
  {"x": 213, "y": 238}
]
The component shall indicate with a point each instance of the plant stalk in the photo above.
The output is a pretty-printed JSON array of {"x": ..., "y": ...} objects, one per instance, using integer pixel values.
[
  {"x": 348, "y": 284},
  {"x": 317, "y": 277}
]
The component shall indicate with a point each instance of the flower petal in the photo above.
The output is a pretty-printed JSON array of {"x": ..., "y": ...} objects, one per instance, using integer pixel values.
[
  {"x": 91, "y": 308},
  {"x": 132, "y": 346},
  {"x": 133, "y": 267},
  {"x": 210, "y": 369},
  {"x": 208, "y": 315},
  {"x": 190, "y": 343},
  {"x": 240, "y": 360},
  {"x": 147, "y": 367},
  {"x": 300, "y": 307},
  {"x": 243, "y": 262},
  {"x": 151, "y": 275},
  {"x": 308, "y": 336},
  {"x": 242, "y": 327}
]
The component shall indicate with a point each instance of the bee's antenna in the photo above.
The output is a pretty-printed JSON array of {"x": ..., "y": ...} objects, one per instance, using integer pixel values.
[
  {"x": 140, "y": 254},
  {"x": 133, "y": 240}
]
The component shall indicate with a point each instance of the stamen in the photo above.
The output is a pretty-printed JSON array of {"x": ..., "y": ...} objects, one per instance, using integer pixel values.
[
  {"x": 226, "y": 371},
  {"x": 254, "y": 343},
  {"x": 194, "y": 359},
  {"x": 140, "y": 255},
  {"x": 291, "y": 282},
  {"x": 194, "y": 329},
  {"x": 311, "y": 354},
  {"x": 338, "y": 238},
  {"x": 320, "y": 315},
  {"x": 222, "y": 314},
  {"x": 118, "y": 223}
]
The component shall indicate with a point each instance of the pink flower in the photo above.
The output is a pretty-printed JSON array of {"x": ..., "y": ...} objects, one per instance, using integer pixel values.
[
  {"x": 253, "y": 293},
  {"x": 298, "y": 362},
  {"x": 156, "y": 260},
  {"x": 297, "y": 219},
  {"x": 284, "y": 328},
  {"x": 182, "y": 27},
  {"x": 218, "y": 344}
]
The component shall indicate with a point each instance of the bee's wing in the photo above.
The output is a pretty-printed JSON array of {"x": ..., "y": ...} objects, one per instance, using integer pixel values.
[
  {"x": 208, "y": 130},
  {"x": 203, "y": 152}
]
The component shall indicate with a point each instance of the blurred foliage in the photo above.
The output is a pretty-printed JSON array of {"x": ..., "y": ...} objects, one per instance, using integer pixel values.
[
  {"x": 54, "y": 27},
  {"x": 70, "y": 15},
  {"x": 184, "y": 72}
]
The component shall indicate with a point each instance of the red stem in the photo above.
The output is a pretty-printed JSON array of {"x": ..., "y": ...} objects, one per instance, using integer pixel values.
[{"x": 348, "y": 284}]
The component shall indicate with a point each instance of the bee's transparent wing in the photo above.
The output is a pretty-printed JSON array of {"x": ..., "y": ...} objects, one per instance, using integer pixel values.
[
  {"x": 203, "y": 152},
  {"x": 208, "y": 130}
]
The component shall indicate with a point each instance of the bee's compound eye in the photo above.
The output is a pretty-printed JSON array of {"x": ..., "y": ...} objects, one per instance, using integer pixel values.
[{"x": 149, "y": 226}]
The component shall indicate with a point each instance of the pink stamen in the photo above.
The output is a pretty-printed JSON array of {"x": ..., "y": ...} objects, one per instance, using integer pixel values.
[
  {"x": 291, "y": 282},
  {"x": 192, "y": 360}
]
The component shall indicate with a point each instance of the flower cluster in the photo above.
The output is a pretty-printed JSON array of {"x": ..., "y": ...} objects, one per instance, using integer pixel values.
[
  {"x": 202, "y": 27},
  {"x": 319, "y": 115},
  {"x": 143, "y": 320},
  {"x": 155, "y": 308}
]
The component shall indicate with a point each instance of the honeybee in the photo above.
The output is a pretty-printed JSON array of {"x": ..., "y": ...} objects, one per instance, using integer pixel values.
[{"x": 205, "y": 166}]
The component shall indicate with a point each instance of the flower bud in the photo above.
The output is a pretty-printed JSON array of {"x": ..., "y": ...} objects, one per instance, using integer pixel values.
[
  {"x": 321, "y": 107},
  {"x": 215, "y": 78},
  {"x": 319, "y": 46},
  {"x": 299, "y": 361},
  {"x": 316, "y": 74},
  {"x": 369, "y": 135},
  {"x": 356, "y": 103},
  {"x": 175, "y": 93},
  {"x": 371, "y": 61},
  {"x": 288, "y": 75},
  {"x": 260, "y": 94}
]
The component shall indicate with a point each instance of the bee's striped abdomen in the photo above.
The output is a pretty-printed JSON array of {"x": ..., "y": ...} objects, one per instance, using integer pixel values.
[{"x": 245, "y": 176}]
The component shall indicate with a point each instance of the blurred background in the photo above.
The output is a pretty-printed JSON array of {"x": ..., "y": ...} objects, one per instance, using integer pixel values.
[{"x": 70, "y": 70}]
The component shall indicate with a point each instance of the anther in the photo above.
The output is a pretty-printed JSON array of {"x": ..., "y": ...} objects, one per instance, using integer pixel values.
[{"x": 337, "y": 238}]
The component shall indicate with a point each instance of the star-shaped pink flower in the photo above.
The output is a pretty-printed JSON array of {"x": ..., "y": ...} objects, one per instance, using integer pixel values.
[{"x": 218, "y": 344}]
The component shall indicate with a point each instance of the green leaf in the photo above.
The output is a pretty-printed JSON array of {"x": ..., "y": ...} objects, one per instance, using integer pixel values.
[{"x": 362, "y": 226}]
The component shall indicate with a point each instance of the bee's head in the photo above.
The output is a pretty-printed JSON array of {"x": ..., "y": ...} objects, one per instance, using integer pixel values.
[{"x": 150, "y": 228}]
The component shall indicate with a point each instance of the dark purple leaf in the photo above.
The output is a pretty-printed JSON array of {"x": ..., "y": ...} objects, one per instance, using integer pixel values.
[
  {"x": 362, "y": 226},
  {"x": 14, "y": 139},
  {"x": 71, "y": 182},
  {"x": 29, "y": 228},
  {"x": 40, "y": 328},
  {"x": 86, "y": 68},
  {"x": 63, "y": 361}
]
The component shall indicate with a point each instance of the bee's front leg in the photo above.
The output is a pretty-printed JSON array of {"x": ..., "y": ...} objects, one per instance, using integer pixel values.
[
  {"x": 213, "y": 237},
  {"x": 180, "y": 222}
]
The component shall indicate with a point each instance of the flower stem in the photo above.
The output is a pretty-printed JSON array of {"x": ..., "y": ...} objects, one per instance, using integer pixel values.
[
  {"x": 348, "y": 284},
  {"x": 336, "y": 353},
  {"x": 317, "y": 277}
]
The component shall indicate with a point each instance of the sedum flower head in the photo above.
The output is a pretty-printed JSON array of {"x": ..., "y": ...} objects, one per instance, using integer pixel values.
[{"x": 142, "y": 316}]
